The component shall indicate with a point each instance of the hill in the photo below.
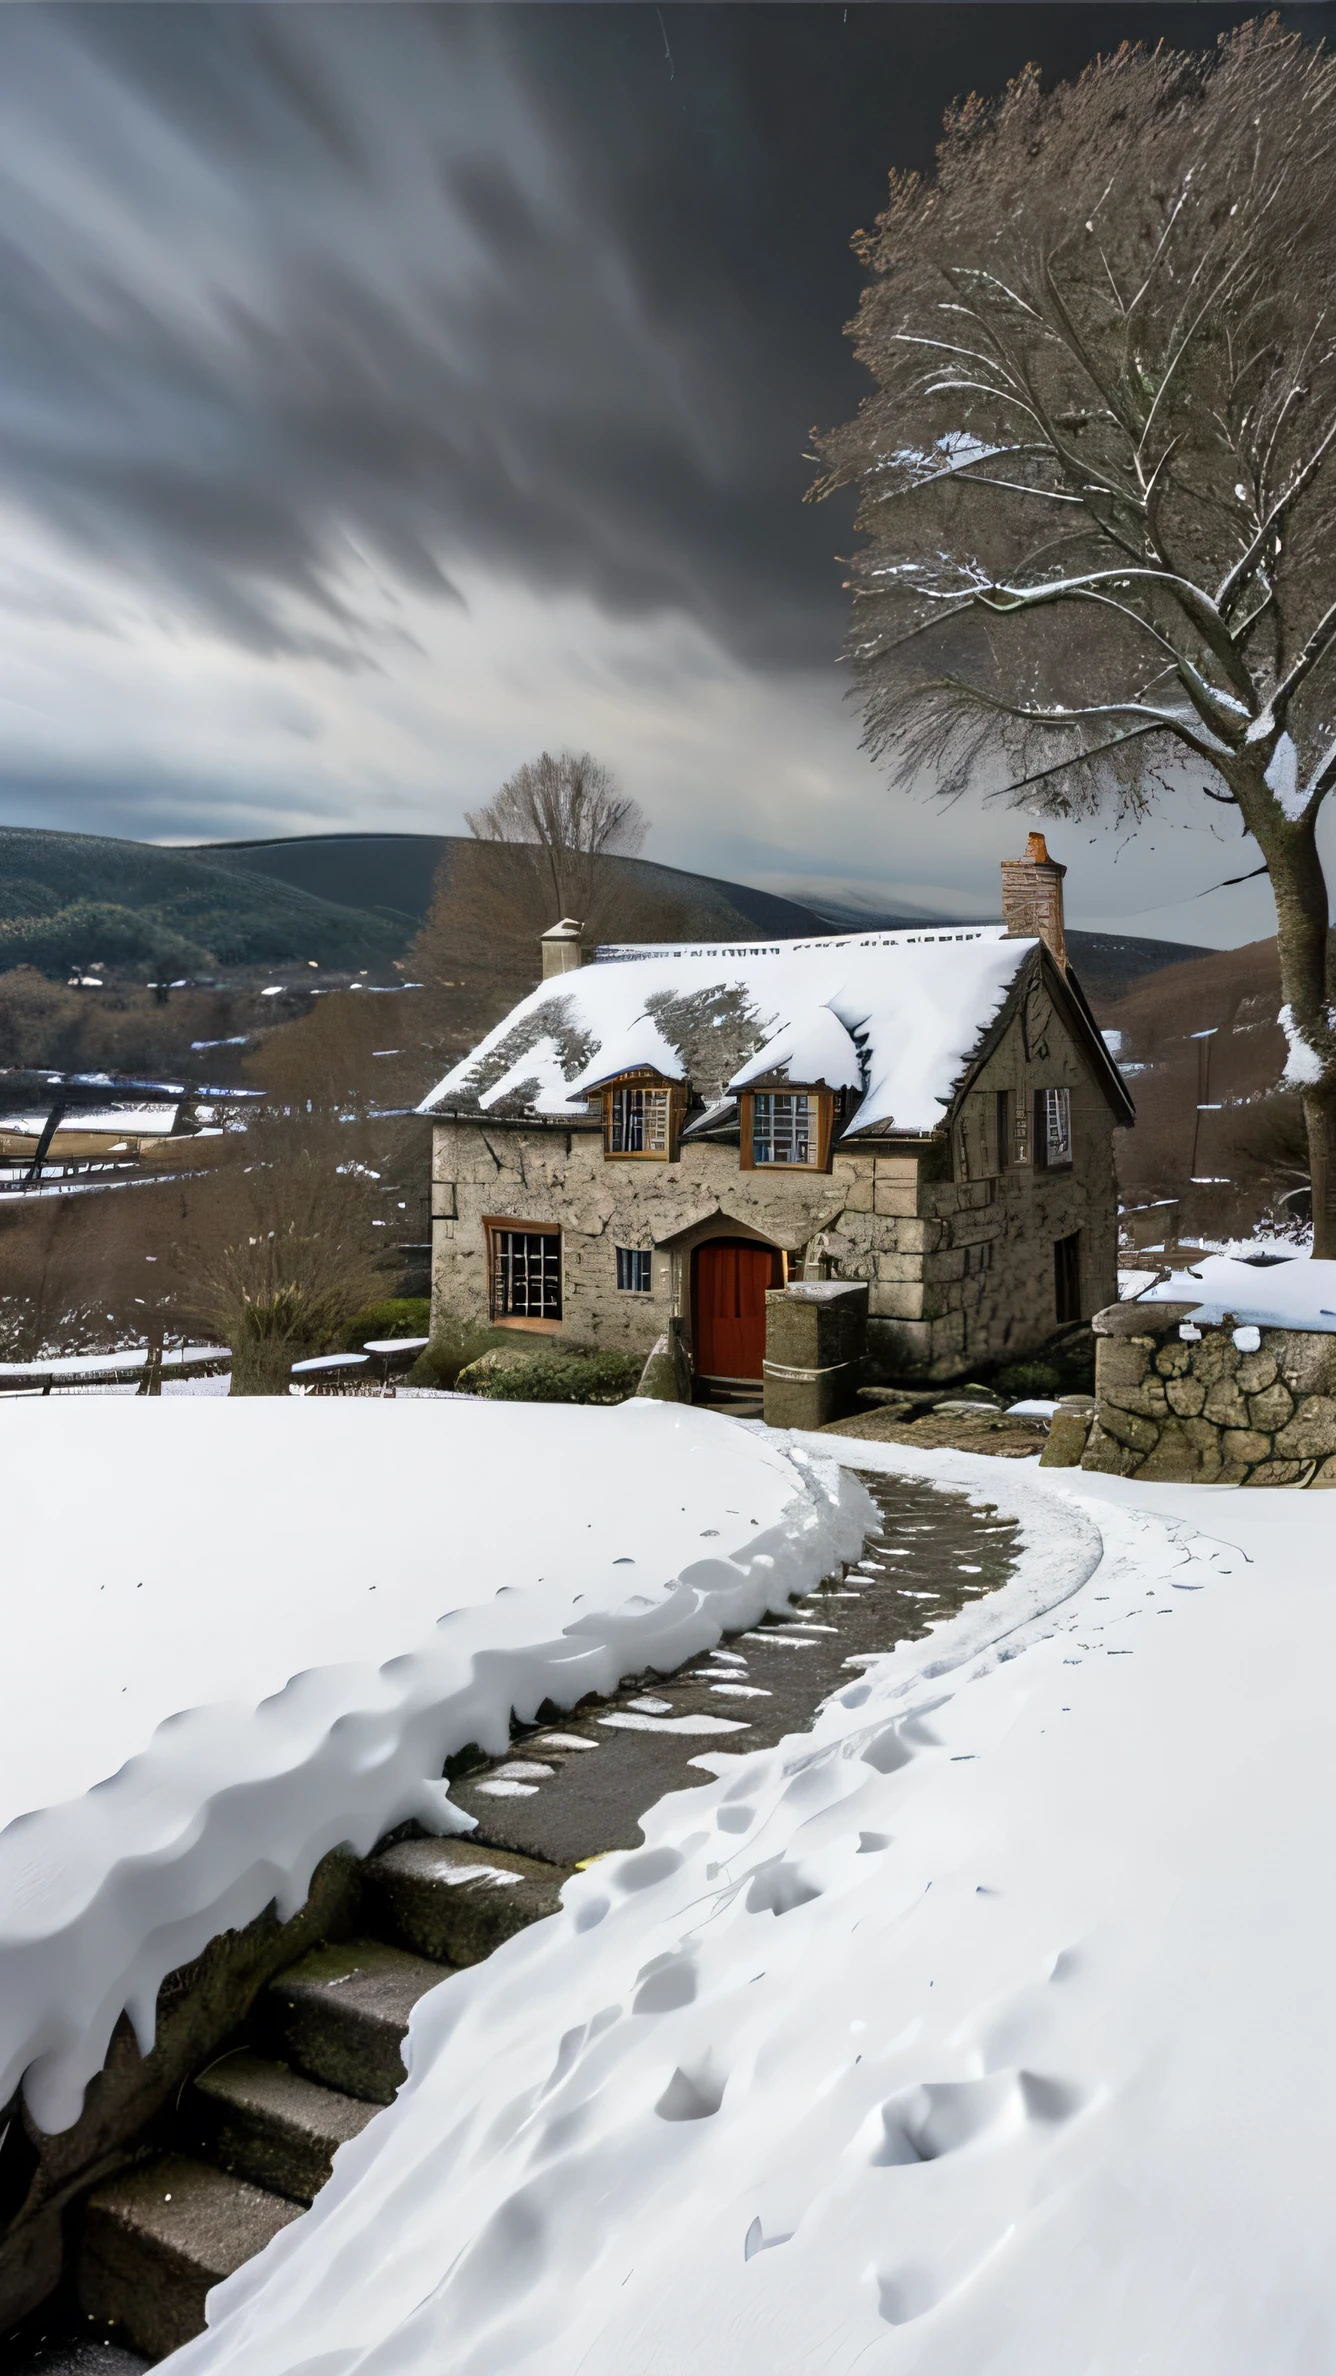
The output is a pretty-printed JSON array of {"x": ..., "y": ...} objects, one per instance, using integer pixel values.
[
  {"x": 353, "y": 900},
  {"x": 79, "y": 899},
  {"x": 1107, "y": 962},
  {"x": 1204, "y": 1053},
  {"x": 394, "y": 874}
]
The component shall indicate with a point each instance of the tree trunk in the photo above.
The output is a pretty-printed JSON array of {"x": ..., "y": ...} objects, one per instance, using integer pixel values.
[
  {"x": 263, "y": 1365},
  {"x": 1304, "y": 944},
  {"x": 1320, "y": 1118}
]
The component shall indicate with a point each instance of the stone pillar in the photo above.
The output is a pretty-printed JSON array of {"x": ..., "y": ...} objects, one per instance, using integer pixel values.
[
  {"x": 1069, "y": 1432},
  {"x": 815, "y": 1351}
]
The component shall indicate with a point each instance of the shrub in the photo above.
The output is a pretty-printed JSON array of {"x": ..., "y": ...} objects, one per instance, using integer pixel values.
[
  {"x": 1022, "y": 1378},
  {"x": 393, "y": 1316},
  {"x": 454, "y": 1344},
  {"x": 564, "y": 1377}
]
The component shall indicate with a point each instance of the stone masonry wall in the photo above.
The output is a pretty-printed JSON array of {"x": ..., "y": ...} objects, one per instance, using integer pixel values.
[
  {"x": 959, "y": 1266},
  {"x": 967, "y": 1277},
  {"x": 1201, "y": 1410}
]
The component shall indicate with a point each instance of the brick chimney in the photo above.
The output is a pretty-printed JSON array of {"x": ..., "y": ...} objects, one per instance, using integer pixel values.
[
  {"x": 1032, "y": 897},
  {"x": 563, "y": 948}
]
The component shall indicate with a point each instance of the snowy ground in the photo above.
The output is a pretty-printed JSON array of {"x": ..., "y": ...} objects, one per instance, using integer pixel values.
[
  {"x": 236, "y": 1637},
  {"x": 987, "y": 2027}
]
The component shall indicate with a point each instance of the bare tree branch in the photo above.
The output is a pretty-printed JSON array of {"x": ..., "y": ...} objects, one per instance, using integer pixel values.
[{"x": 1185, "y": 433}]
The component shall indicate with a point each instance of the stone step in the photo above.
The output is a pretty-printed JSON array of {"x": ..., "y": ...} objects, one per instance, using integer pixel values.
[
  {"x": 263, "y": 2121},
  {"x": 454, "y": 1900},
  {"x": 157, "y": 2236},
  {"x": 340, "y": 2014}
]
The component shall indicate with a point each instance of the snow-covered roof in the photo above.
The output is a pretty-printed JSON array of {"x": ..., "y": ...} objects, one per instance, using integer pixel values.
[
  {"x": 895, "y": 1015},
  {"x": 1277, "y": 1293}
]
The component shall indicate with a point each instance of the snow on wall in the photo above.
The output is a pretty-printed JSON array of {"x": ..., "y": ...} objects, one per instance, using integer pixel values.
[
  {"x": 1292, "y": 1293},
  {"x": 898, "y": 1013},
  {"x": 238, "y": 1634},
  {"x": 985, "y": 2027}
]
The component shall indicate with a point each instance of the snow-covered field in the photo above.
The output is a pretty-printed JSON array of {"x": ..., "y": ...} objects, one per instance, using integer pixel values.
[
  {"x": 240, "y": 1632},
  {"x": 986, "y": 2028}
]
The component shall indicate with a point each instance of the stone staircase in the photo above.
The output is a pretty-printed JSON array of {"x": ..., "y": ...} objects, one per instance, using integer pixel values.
[
  {"x": 245, "y": 2142},
  {"x": 253, "y": 2137}
]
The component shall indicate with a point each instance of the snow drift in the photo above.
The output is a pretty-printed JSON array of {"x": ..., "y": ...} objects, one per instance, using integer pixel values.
[
  {"x": 239, "y": 1634},
  {"x": 1291, "y": 1291}
]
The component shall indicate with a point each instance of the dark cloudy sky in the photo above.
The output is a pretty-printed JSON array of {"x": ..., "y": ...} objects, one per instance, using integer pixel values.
[{"x": 386, "y": 392}]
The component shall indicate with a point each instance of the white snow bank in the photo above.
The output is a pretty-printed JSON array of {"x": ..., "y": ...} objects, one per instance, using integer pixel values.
[
  {"x": 895, "y": 1013},
  {"x": 986, "y": 2027},
  {"x": 106, "y": 1365},
  {"x": 253, "y": 1633},
  {"x": 1292, "y": 1293},
  {"x": 1133, "y": 1283}
]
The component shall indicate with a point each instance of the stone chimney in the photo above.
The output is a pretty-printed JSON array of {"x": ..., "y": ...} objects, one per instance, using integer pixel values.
[
  {"x": 1032, "y": 897},
  {"x": 563, "y": 948}
]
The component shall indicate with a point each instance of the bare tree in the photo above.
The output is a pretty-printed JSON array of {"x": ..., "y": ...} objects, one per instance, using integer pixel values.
[
  {"x": 288, "y": 1255},
  {"x": 1098, "y": 474},
  {"x": 567, "y": 813}
]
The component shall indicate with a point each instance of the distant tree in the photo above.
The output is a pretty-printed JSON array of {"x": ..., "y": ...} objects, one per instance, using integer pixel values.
[
  {"x": 566, "y": 813},
  {"x": 1098, "y": 474},
  {"x": 41, "y": 1022},
  {"x": 285, "y": 1254},
  {"x": 50, "y": 1292},
  {"x": 548, "y": 846}
]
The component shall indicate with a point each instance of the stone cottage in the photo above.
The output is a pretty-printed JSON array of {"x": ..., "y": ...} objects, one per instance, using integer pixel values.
[{"x": 660, "y": 1136}]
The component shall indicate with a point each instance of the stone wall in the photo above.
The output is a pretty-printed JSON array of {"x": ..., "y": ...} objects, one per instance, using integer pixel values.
[
  {"x": 815, "y": 1351},
  {"x": 1205, "y": 1411},
  {"x": 959, "y": 1265}
]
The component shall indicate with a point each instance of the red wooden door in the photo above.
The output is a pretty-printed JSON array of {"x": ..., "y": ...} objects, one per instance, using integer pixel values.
[{"x": 730, "y": 1278}]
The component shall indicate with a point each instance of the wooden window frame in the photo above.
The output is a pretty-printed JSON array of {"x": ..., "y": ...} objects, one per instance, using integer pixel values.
[
  {"x": 1041, "y": 1157},
  {"x": 825, "y": 1125},
  {"x": 532, "y": 1323},
  {"x": 676, "y": 1093},
  {"x": 987, "y": 1130}
]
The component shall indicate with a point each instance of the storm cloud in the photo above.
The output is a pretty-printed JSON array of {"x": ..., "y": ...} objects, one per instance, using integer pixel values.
[
  {"x": 479, "y": 281},
  {"x": 463, "y": 347}
]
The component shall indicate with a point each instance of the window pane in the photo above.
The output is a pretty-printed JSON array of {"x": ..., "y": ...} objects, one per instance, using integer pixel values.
[
  {"x": 1067, "y": 1277},
  {"x": 526, "y": 1282},
  {"x": 633, "y": 1270},
  {"x": 639, "y": 1122},
  {"x": 784, "y": 1127},
  {"x": 1058, "y": 1126}
]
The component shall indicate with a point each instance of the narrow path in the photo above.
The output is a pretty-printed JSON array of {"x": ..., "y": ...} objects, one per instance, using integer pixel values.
[
  {"x": 553, "y": 1798},
  {"x": 250, "y": 2140}
]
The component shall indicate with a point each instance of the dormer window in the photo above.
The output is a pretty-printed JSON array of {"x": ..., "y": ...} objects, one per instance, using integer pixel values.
[
  {"x": 785, "y": 1126},
  {"x": 786, "y": 1129},
  {"x": 641, "y": 1119}
]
